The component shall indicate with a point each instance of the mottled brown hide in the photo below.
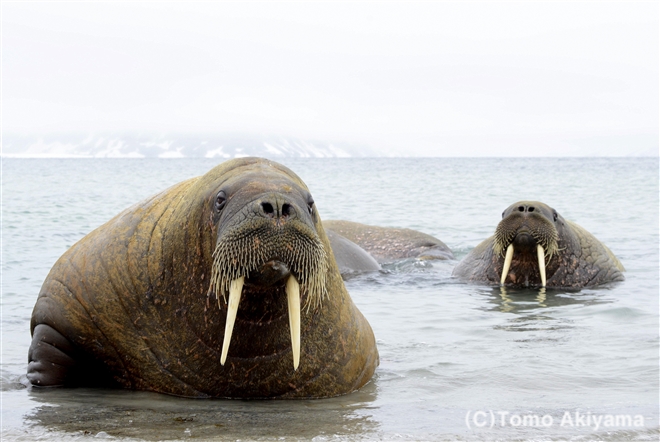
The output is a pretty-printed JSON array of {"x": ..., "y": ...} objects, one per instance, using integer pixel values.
[{"x": 388, "y": 244}]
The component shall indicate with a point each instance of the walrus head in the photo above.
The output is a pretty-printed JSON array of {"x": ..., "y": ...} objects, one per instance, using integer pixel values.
[
  {"x": 529, "y": 228},
  {"x": 267, "y": 248}
]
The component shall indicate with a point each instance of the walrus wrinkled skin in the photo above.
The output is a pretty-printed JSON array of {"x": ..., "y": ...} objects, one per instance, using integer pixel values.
[
  {"x": 141, "y": 302},
  {"x": 534, "y": 246},
  {"x": 388, "y": 244}
]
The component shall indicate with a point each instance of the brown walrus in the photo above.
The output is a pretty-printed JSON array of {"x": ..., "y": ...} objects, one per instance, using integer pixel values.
[
  {"x": 387, "y": 244},
  {"x": 534, "y": 246},
  {"x": 223, "y": 285}
]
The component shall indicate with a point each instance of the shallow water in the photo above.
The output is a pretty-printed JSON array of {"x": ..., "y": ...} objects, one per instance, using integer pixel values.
[{"x": 458, "y": 361}]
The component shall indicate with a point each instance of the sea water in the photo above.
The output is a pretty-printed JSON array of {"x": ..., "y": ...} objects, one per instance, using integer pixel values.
[{"x": 457, "y": 361}]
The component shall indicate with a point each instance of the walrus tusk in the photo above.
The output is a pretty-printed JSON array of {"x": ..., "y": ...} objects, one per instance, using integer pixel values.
[
  {"x": 541, "y": 254},
  {"x": 235, "y": 289},
  {"x": 507, "y": 263},
  {"x": 293, "y": 298}
]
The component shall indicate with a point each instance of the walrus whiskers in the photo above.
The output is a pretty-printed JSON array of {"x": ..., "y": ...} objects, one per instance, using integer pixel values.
[
  {"x": 306, "y": 258},
  {"x": 502, "y": 240}
]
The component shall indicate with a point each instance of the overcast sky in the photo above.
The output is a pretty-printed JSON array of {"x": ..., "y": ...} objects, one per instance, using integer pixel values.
[{"x": 432, "y": 78}]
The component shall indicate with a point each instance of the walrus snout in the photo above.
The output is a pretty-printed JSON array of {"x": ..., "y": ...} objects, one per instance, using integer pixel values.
[
  {"x": 269, "y": 274},
  {"x": 524, "y": 238},
  {"x": 530, "y": 231}
]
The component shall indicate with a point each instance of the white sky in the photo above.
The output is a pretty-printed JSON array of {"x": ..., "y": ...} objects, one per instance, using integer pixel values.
[{"x": 429, "y": 78}]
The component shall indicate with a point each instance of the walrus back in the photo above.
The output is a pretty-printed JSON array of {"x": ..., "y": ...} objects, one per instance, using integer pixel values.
[
  {"x": 479, "y": 265},
  {"x": 596, "y": 255},
  {"x": 96, "y": 295}
]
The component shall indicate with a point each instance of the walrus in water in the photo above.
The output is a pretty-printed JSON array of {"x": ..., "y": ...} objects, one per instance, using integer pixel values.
[
  {"x": 534, "y": 246},
  {"x": 351, "y": 259},
  {"x": 223, "y": 285},
  {"x": 388, "y": 244}
]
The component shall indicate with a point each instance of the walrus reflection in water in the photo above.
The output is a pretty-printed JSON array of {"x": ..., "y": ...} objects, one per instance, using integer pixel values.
[
  {"x": 534, "y": 246},
  {"x": 221, "y": 286}
]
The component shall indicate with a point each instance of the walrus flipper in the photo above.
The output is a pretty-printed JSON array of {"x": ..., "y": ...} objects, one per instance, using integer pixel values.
[
  {"x": 53, "y": 361},
  {"x": 50, "y": 361}
]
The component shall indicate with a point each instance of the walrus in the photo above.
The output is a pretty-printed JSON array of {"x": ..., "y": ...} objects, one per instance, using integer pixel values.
[
  {"x": 351, "y": 259},
  {"x": 534, "y": 246},
  {"x": 223, "y": 285},
  {"x": 388, "y": 244}
]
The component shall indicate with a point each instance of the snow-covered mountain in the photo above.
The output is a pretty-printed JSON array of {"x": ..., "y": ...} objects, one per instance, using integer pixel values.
[{"x": 182, "y": 146}]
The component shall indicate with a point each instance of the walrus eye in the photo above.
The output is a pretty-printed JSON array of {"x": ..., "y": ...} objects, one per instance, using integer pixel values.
[
  {"x": 554, "y": 215},
  {"x": 220, "y": 200},
  {"x": 310, "y": 205}
]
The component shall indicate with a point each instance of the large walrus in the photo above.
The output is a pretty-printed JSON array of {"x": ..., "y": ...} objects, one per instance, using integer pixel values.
[
  {"x": 223, "y": 285},
  {"x": 534, "y": 246}
]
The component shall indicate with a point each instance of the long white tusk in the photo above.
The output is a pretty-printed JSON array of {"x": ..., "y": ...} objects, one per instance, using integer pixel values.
[
  {"x": 235, "y": 289},
  {"x": 507, "y": 263},
  {"x": 293, "y": 298},
  {"x": 541, "y": 254}
]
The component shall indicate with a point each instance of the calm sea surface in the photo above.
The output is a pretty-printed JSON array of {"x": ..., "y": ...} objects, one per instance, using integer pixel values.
[{"x": 458, "y": 361}]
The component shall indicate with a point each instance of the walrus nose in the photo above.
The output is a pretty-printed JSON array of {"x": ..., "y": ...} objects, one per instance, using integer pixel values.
[
  {"x": 276, "y": 208},
  {"x": 526, "y": 208}
]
